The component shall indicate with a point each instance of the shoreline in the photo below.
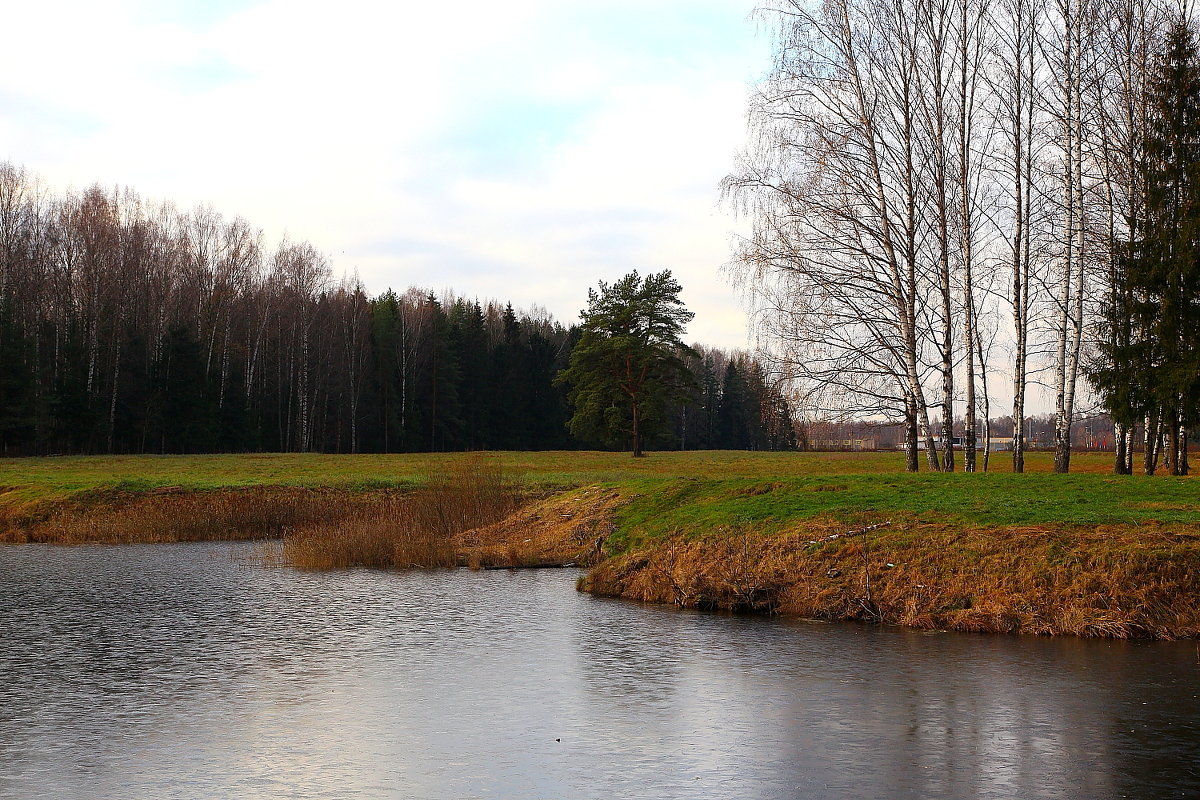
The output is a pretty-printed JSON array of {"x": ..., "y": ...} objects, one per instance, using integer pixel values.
[
  {"x": 1111, "y": 581},
  {"x": 1041, "y": 582}
]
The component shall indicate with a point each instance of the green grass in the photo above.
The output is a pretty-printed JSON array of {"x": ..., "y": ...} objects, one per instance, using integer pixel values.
[
  {"x": 995, "y": 499},
  {"x": 35, "y": 480},
  {"x": 675, "y": 491}
]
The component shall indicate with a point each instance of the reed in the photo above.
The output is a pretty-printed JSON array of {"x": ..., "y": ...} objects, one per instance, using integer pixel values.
[
  {"x": 178, "y": 516},
  {"x": 421, "y": 529}
]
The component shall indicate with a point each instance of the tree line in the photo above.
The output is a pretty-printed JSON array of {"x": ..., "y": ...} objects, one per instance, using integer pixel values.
[
  {"x": 945, "y": 192},
  {"x": 128, "y": 326}
]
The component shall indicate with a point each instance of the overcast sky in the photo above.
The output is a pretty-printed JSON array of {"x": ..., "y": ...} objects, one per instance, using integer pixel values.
[{"x": 520, "y": 150}]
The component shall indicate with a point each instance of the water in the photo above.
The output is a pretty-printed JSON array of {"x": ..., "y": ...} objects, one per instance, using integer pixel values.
[{"x": 185, "y": 671}]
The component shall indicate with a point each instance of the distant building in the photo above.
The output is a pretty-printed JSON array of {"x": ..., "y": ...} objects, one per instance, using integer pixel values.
[
  {"x": 843, "y": 444},
  {"x": 994, "y": 444}
]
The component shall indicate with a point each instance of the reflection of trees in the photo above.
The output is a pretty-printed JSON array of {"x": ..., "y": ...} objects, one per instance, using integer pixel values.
[{"x": 876, "y": 712}]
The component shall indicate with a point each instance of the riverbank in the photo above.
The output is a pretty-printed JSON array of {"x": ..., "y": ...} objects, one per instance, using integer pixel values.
[
  {"x": 1106, "y": 581},
  {"x": 925, "y": 571},
  {"x": 824, "y": 536}
]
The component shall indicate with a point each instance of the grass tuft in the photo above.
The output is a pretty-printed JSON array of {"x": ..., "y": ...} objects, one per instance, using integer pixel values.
[{"x": 168, "y": 514}]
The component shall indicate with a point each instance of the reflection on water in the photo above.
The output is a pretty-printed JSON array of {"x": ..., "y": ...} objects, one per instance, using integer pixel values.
[{"x": 185, "y": 671}]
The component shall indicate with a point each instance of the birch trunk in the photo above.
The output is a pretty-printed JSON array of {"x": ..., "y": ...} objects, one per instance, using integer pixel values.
[
  {"x": 1120, "y": 447},
  {"x": 987, "y": 413},
  {"x": 912, "y": 461},
  {"x": 1150, "y": 448},
  {"x": 1016, "y": 31},
  {"x": 1067, "y": 328},
  {"x": 969, "y": 33}
]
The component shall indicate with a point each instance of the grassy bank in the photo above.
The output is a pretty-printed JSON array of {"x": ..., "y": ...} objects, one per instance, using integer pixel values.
[
  {"x": 1114, "y": 581},
  {"x": 1085, "y": 554}
]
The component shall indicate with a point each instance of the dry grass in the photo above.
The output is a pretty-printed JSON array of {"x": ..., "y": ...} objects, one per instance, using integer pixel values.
[
  {"x": 167, "y": 515},
  {"x": 1119, "y": 582},
  {"x": 385, "y": 536},
  {"x": 570, "y": 528},
  {"x": 331, "y": 528},
  {"x": 417, "y": 530}
]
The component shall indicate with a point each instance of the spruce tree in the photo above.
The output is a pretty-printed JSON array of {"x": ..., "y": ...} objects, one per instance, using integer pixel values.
[
  {"x": 1152, "y": 354},
  {"x": 735, "y": 413}
]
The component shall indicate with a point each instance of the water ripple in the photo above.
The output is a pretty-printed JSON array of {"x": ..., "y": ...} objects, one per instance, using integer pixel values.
[{"x": 187, "y": 671}]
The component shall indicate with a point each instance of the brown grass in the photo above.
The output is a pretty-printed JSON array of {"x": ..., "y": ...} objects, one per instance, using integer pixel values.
[
  {"x": 571, "y": 528},
  {"x": 168, "y": 515},
  {"x": 1118, "y": 582},
  {"x": 418, "y": 530},
  {"x": 383, "y": 536}
]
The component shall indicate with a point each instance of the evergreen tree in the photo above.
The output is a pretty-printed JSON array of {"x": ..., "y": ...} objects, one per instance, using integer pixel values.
[
  {"x": 16, "y": 396},
  {"x": 470, "y": 337},
  {"x": 711, "y": 388},
  {"x": 439, "y": 410},
  {"x": 736, "y": 417},
  {"x": 1152, "y": 356},
  {"x": 628, "y": 362},
  {"x": 547, "y": 398},
  {"x": 185, "y": 428},
  {"x": 690, "y": 412},
  {"x": 509, "y": 411}
]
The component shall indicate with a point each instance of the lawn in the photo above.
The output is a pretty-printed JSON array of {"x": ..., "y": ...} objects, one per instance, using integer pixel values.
[{"x": 660, "y": 508}]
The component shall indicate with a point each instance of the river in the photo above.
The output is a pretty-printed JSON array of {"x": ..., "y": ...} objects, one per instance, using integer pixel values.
[{"x": 191, "y": 671}]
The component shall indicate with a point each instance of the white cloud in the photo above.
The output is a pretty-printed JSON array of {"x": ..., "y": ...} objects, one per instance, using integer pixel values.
[{"x": 521, "y": 150}]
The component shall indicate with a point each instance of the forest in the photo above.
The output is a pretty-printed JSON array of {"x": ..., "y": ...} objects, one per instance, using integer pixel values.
[{"x": 130, "y": 326}]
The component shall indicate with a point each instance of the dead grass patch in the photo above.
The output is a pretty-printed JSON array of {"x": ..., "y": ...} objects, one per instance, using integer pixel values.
[
  {"x": 173, "y": 515},
  {"x": 572, "y": 528},
  {"x": 1111, "y": 581}
]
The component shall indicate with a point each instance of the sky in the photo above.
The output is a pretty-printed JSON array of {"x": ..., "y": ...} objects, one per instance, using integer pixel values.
[{"x": 521, "y": 151}]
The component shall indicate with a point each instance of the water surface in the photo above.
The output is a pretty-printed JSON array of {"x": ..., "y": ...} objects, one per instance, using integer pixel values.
[{"x": 186, "y": 671}]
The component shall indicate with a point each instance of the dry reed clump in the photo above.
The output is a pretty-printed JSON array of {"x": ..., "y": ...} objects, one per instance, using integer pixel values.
[
  {"x": 174, "y": 515},
  {"x": 420, "y": 529},
  {"x": 1112, "y": 582},
  {"x": 732, "y": 570},
  {"x": 384, "y": 536}
]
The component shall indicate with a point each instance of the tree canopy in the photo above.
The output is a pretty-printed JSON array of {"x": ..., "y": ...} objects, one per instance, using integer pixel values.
[
  {"x": 129, "y": 326},
  {"x": 629, "y": 361}
]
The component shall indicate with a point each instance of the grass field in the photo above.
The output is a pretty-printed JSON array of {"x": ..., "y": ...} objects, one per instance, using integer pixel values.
[{"x": 714, "y": 487}]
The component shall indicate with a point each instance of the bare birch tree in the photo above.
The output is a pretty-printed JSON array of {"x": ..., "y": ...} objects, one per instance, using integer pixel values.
[{"x": 835, "y": 187}]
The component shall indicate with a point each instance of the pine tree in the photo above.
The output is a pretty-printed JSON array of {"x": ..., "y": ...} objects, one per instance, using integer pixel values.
[{"x": 628, "y": 362}]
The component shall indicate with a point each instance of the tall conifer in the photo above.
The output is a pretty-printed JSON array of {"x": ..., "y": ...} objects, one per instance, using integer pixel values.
[{"x": 1152, "y": 368}]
